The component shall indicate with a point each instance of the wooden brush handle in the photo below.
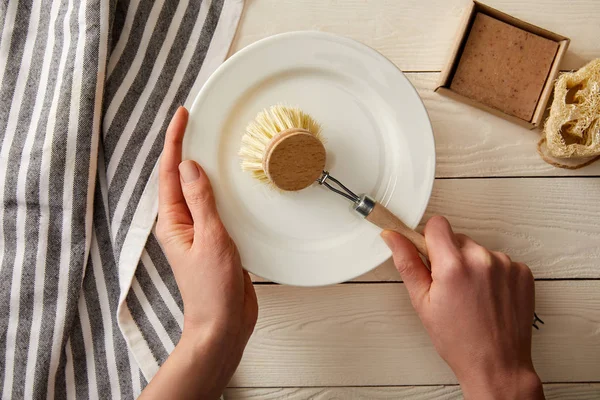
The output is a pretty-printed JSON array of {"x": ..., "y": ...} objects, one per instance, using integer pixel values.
[{"x": 385, "y": 219}]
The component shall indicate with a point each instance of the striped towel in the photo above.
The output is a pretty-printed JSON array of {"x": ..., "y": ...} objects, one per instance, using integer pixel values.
[{"x": 89, "y": 307}]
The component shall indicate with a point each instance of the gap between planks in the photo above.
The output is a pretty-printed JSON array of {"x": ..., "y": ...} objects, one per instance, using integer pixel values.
[
  {"x": 370, "y": 335},
  {"x": 550, "y": 224},
  {"x": 399, "y": 281},
  {"x": 552, "y": 391}
]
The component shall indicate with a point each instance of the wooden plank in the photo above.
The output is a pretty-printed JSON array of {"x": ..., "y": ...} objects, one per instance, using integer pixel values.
[
  {"x": 416, "y": 35},
  {"x": 558, "y": 391},
  {"x": 553, "y": 225},
  {"x": 473, "y": 143},
  {"x": 369, "y": 335}
]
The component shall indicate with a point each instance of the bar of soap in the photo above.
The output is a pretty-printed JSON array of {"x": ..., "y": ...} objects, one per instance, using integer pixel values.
[{"x": 503, "y": 66}]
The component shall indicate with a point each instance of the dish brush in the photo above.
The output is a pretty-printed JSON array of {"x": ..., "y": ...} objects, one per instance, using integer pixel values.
[{"x": 283, "y": 147}]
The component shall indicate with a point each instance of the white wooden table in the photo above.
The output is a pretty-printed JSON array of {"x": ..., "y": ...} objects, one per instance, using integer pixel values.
[{"x": 362, "y": 339}]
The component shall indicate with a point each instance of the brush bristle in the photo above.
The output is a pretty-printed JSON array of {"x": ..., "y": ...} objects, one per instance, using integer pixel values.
[{"x": 264, "y": 127}]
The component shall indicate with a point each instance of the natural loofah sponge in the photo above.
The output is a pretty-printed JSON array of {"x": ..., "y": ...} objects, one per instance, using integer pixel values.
[{"x": 573, "y": 128}]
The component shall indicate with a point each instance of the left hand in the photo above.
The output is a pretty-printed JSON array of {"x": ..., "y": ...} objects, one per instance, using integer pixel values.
[{"x": 220, "y": 306}]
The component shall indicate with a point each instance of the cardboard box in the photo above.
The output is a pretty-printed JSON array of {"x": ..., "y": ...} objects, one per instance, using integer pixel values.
[{"x": 511, "y": 103}]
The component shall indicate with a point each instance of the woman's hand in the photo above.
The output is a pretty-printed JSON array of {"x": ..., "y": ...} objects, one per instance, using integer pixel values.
[
  {"x": 220, "y": 307},
  {"x": 477, "y": 306}
]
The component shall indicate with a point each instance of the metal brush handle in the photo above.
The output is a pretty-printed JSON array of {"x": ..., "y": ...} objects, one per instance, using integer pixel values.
[{"x": 375, "y": 212}]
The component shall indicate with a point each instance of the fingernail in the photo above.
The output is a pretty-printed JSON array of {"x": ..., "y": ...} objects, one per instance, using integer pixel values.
[
  {"x": 388, "y": 239},
  {"x": 181, "y": 109},
  {"x": 189, "y": 172}
]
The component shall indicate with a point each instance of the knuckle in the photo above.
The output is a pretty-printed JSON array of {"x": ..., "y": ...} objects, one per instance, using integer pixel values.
[
  {"x": 454, "y": 264},
  {"x": 503, "y": 258},
  {"x": 522, "y": 265},
  {"x": 465, "y": 242},
  {"x": 462, "y": 239},
  {"x": 402, "y": 262},
  {"x": 436, "y": 220},
  {"x": 453, "y": 268},
  {"x": 525, "y": 272},
  {"x": 526, "y": 279},
  {"x": 199, "y": 195},
  {"x": 404, "y": 268},
  {"x": 483, "y": 257}
]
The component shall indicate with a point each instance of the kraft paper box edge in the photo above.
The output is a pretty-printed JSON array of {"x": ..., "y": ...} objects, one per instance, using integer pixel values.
[{"x": 447, "y": 73}]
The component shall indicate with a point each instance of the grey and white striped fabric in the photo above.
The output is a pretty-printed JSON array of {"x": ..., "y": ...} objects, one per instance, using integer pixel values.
[{"x": 89, "y": 307}]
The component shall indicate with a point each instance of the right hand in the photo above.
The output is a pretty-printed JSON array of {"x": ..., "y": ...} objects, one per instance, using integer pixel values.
[{"x": 477, "y": 306}]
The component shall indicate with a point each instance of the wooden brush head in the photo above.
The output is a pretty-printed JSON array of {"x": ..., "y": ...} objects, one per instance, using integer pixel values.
[
  {"x": 282, "y": 147},
  {"x": 294, "y": 159}
]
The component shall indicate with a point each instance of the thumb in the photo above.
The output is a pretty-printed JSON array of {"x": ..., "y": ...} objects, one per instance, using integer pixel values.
[
  {"x": 413, "y": 271},
  {"x": 198, "y": 194}
]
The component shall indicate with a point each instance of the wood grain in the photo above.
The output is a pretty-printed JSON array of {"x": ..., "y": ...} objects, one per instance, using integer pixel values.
[
  {"x": 417, "y": 35},
  {"x": 358, "y": 335},
  {"x": 368, "y": 334},
  {"x": 474, "y": 143},
  {"x": 469, "y": 142},
  {"x": 294, "y": 159},
  {"x": 553, "y": 391},
  {"x": 553, "y": 225}
]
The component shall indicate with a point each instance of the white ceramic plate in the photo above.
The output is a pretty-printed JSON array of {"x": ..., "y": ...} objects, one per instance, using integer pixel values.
[{"x": 378, "y": 138}]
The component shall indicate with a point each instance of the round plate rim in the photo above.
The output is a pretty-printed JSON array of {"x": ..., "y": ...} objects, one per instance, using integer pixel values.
[{"x": 221, "y": 69}]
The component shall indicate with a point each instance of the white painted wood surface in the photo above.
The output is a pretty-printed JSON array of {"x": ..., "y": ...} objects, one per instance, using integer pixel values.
[
  {"x": 553, "y": 225},
  {"x": 310, "y": 343},
  {"x": 369, "y": 335},
  {"x": 417, "y": 35},
  {"x": 469, "y": 142},
  {"x": 473, "y": 143},
  {"x": 556, "y": 391}
]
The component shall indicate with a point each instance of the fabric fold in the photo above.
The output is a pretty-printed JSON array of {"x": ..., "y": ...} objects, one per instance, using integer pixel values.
[{"x": 90, "y": 307}]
